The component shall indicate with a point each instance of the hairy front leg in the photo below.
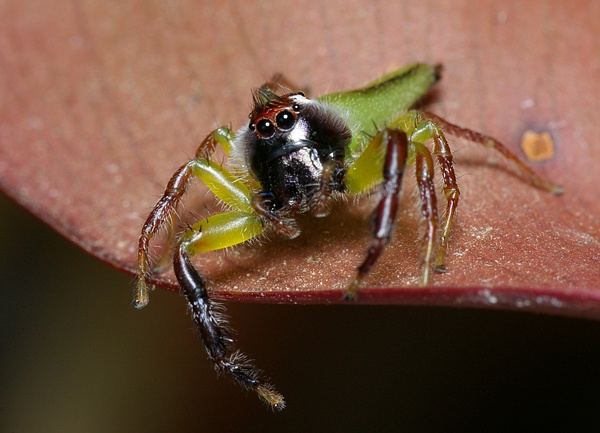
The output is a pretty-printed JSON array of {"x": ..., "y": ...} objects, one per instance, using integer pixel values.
[{"x": 210, "y": 323}]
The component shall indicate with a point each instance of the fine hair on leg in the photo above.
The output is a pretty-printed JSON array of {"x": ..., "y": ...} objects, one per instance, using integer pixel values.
[{"x": 210, "y": 324}]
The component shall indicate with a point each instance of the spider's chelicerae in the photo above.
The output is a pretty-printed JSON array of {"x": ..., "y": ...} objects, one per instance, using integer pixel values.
[{"x": 294, "y": 156}]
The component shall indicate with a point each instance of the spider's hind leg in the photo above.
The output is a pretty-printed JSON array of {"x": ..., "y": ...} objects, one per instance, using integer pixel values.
[
  {"x": 279, "y": 83},
  {"x": 492, "y": 143},
  {"x": 430, "y": 130}
]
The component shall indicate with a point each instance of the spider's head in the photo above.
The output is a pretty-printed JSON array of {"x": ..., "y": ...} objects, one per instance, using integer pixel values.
[{"x": 286, "y": 141}]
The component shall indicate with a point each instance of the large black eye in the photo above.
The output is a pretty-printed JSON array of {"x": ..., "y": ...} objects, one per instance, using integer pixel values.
[
  {"x": 265, "y": 128},
  {"x": 285, "y": 120}
]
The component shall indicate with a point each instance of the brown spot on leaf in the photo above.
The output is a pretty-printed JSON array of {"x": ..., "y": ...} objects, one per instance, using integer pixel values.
[{"x": 538, "y": 146}]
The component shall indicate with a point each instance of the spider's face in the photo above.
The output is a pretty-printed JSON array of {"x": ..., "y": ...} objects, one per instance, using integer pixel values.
[{"x": 286, "y": 142}]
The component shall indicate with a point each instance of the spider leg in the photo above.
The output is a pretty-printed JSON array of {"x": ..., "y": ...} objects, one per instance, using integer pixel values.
[
  {"x": 423, "y": 131},
  {"x": 363, "y": 174},
  {"x": 444, "y": 157},
  {"x": 396, "y": 154},
  {"x": 217, "y": 340},
  {"x": 218, "y": 231},
  {"x": 164, "y": 210},
  {"x": 490, "y": 142},
  {"x": 160, "y": 215},
  {"x": 280, "y": 83},
  {"x": 424, "y": 173}
]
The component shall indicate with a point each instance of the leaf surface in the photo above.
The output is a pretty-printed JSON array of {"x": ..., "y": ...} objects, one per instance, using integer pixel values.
[{"x": 101, "y": 101}]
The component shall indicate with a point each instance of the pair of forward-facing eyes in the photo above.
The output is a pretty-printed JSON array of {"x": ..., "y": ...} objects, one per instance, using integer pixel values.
[{"x": 284, "y": 120}]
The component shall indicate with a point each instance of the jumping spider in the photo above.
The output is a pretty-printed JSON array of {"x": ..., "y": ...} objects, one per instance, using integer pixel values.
[{"x": 294, "y": 156}]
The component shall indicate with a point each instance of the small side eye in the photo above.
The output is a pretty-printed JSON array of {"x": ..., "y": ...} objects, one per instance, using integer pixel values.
[
  {"x": 296, "y": 108},
  {"x": 285, "y": 120},
  {"x": 265, "y": 128}
]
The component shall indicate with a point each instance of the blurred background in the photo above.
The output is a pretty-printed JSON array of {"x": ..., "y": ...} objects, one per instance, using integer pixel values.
[{"x": 76, "y": 357}]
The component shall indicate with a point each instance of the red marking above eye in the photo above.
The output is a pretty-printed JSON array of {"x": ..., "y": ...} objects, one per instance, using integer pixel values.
[
  {"x": 271, "y": 108},
  {"x": 282, "y": 117}
]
